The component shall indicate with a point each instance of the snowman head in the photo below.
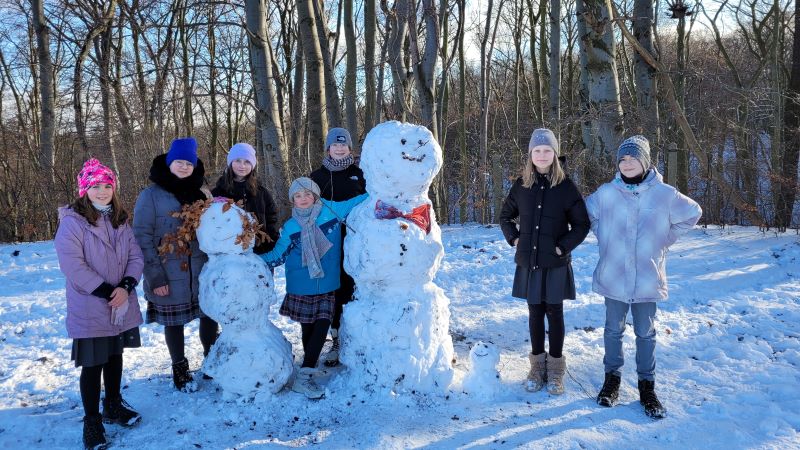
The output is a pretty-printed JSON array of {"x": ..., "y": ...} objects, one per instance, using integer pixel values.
[
  {"x": 484, "y": 356},
  {"x": 223, "y": 229},
  {"x": 399, "y": 160}
]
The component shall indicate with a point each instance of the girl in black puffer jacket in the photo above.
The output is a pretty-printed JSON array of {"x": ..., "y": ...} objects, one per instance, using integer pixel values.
[
  {"x": 240, "y": 182},
  {"x": 552, "y": 222}
]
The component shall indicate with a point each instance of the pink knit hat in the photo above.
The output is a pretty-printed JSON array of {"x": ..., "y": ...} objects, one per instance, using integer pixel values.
[{"x": 94, "y": 173}]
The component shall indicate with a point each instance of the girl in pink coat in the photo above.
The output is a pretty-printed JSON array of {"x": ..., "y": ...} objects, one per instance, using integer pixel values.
[{"x": 102, "y": 264}]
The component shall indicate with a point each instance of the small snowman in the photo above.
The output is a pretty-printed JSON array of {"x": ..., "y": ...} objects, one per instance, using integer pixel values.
[
  {"x": 483, "y": 380},
  {"x": 395, "y": 336},
  {"x": 251, "y": 357}
]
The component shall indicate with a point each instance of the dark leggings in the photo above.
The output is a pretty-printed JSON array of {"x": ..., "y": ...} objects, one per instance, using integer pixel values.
[
  {"x": 90, "y": 383},
  {"x": 555, "y": 322},
  {"x": 343, "y": 296},
  {"x": 314, "y": 335},
  {"x": 173, "y": 334}
]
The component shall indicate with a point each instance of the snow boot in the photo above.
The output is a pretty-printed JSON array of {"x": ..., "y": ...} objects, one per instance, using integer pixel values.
[
  {"x": 305, "y": 384},
  {"x": 556, "y": 367},
  {"x": 94, "y": 433},
  {"x": 537, "y": 376},
  {"x": 609, "y": 393},
  {"x": 118, "y": 411},
  {"x": 332, "y": 358},
  {"x": 181, "y": 377},
  {"x": 647, "y": 397}
]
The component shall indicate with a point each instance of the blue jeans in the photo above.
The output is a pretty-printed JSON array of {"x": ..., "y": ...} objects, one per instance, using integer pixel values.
[{"x": 644, "y": 326}]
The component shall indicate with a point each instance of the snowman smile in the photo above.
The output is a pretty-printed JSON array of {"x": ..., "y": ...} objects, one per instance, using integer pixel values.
[{"x": 408, "y": 157}]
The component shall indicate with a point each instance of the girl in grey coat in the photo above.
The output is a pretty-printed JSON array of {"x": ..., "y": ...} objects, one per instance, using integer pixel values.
[
  {"x": 171, "y": 283},
  {"x": 636, "y": 217}
]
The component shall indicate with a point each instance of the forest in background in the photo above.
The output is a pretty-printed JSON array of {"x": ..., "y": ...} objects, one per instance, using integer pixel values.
[{"x": 715, "y": 86}]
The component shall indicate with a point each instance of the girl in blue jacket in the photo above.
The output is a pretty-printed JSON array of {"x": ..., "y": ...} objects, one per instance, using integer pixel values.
[{"x": 310, "y": 245}]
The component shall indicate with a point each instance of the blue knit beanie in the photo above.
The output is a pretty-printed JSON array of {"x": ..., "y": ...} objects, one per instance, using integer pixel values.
[
  {"x": 636, "y": 147},
  {"x": 183, "y": 148},
  {"x": 338, "y": 135},
  {"x": 543, "y": 136}
]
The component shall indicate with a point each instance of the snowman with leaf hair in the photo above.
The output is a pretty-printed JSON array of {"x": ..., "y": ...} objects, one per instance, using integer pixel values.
[{"x": 251, "y": 358}]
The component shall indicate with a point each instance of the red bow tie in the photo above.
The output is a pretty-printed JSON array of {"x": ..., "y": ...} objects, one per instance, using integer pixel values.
[{"x": 420, "y": 216}]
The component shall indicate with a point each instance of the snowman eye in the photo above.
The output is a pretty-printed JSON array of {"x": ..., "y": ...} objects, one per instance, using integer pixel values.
[
  {"x": 420, "y": 142},
  {"x": 403, "y": 141}
]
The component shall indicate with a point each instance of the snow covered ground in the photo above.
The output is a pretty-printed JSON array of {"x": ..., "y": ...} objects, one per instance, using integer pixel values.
[{"x": 728, "y": 363}]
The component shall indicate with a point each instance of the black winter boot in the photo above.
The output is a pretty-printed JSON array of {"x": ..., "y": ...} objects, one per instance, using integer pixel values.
[
  {"x": 609, "y": 393},
  {"x": 181, "y": 377},
  {"x": 117, "y": 410},
  {"x": 93, "y": 432},
  {"x": 647, "y": 396}
]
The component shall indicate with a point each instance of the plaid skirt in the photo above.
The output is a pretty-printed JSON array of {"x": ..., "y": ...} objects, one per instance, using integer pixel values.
[
  {"x": 169, "y": 315},
  {"x": 308, "y": 308}
]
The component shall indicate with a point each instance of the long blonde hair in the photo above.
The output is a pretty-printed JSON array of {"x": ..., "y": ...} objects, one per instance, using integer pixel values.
[{"x": 556, "y": 172}]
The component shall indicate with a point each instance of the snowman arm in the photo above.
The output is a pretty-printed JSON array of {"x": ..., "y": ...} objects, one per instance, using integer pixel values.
[
  {"x": 508, "y": 214},
  {"x": 342, "y": 209}
]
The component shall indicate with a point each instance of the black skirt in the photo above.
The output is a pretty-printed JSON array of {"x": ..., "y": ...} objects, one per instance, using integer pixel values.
[
  {"x": 552, "y": 285},
  {"x": 88, "y": 352}
]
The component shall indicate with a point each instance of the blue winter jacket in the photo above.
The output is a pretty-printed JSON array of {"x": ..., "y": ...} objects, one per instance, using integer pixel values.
[{"x": 287, "y": 250}]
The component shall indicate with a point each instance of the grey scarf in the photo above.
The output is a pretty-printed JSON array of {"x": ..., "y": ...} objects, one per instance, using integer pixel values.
[
  {"x": 313, "y": 242},
  {"x": 335, "y": 165}
]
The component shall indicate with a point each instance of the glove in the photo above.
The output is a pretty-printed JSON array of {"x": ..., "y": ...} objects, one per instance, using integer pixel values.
[{"x": 118, "y": 314}]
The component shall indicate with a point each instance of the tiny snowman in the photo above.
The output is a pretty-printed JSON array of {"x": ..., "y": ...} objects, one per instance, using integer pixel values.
[
  {"x": 395, "y": 336},
  {"x": 251, "y": 357},
  {"x": 483, "y": 380}
]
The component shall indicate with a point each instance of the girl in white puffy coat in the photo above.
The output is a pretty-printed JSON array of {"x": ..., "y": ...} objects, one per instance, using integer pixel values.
[{"x": 636, "y": 217}]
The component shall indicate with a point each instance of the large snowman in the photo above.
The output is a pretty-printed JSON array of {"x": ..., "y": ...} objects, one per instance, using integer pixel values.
[
  {"x": 395, "y": 334},
  {"x": 251, "y": 357}
]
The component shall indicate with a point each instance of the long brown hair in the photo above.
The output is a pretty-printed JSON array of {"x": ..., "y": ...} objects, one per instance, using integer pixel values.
[
  {"x": 556, "y": 172},
  {"x": 84, "y": 207},
  {"x": 250, "y": 181}
]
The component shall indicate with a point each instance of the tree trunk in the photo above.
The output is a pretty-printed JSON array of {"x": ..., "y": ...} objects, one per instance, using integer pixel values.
[
  {"x": 791, "y": 137},
  {"x": 315, "y": 81},
  {"x": 46, "y": 156},
  {"x": 212, "y": 87},
  {"x": 466, "y": 185},
  {"x": 103, "y": 51},
  {"x": 536, "y": 73},
  {"x": 333, "y": 105},
  {"x": 188, "y": 120},
  {"x": 370, "y": 100},
  {"x": 645, "y": 75},
  {"x": 350, "y": 78},
  {"x": 604, "y": 98},
  {"x": 269, "y": 131},
  {"x": 397, "y": 62},
  {"x": 554, "y": 118}
]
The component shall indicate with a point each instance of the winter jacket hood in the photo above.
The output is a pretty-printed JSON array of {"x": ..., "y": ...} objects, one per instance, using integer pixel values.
[{"x": 186, "y": 190}]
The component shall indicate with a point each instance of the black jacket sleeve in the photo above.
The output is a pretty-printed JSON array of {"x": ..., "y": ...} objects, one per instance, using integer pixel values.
[
  {"x": 578, "y": 219},
  {"x": 269, "y": 222},
  {"x": 508, "y": 214}
]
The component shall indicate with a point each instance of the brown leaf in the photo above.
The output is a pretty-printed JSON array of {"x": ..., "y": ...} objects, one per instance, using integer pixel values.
[{"x": 226, "y": 207}]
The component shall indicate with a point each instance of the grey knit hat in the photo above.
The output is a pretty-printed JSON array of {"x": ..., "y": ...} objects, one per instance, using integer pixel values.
[
  {"x": 543, "y": 136},
  {"x": 301, "y": 184},
  {"x": 636, "y": 147},
  {"x": 338, "y": 135}
]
